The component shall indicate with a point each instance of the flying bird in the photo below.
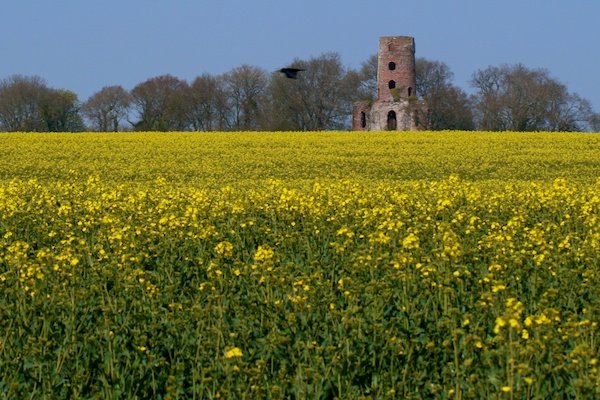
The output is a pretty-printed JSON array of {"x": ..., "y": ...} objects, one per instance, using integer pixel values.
[{"x": 291, "y": 73}]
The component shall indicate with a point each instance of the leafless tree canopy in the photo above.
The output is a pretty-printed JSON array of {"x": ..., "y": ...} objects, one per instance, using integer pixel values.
[
  {"x": 246, "y": 87},
  {"x": 28, "y": 104},
  {"x": 319, "y": 99},
  {"x": 208, "y": 104},
  {"x": 516, "y": 98},
  {"x": 160, "y": 104},
  {"x": 107, "y": 109},
  {"x": 447, "y": 106}
]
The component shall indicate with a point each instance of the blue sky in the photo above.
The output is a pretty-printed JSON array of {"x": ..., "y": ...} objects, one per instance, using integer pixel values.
[{"x": 83, "y": 45}]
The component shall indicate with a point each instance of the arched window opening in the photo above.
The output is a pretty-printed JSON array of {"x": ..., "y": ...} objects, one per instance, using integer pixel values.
[
  {"x": 392, "y": 66},
  {"x": 410, "y": 91},
  {"x": 363, "y": 120},
  {"x": 391, "y": 84},
  {"x": 392, "y": 123}
]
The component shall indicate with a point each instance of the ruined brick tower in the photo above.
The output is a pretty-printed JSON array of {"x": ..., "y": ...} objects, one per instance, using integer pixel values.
[{"x": 396, "y": 105}]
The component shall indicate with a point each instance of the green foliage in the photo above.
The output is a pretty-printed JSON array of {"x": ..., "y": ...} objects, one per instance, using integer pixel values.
[{"x": 395, "y": 92}]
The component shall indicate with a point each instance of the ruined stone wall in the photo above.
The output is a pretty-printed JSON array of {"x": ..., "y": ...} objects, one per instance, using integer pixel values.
[
  {"x": 396, "y": 66},
  {"x": 361, "y": 116},
  {"x": 403, "y": 116}
]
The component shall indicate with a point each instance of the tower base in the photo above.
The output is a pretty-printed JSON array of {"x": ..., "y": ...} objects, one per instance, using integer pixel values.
[{"x": 384, "y": 115}]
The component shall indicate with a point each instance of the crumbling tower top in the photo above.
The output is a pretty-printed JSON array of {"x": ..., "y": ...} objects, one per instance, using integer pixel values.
[{"x": 396, "y": 76}]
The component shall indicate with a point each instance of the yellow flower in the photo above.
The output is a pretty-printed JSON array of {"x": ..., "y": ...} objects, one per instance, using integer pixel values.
[
  {"x": 233, "y": 352},
  {"x": 495, "y": 267},
  {"x": 542, "y": 320},
  {"x": 263, "y": 253},
  {"x": 224, "y": 249},
  {"x": 506, "y": 389},
  {"x": 498, "y": 288},
  {"x": 411, "y": 241},
  {"x": 514, "y": 323},
  {"x": 500, "y": 323},
  {"x": 345, "y": 231}
]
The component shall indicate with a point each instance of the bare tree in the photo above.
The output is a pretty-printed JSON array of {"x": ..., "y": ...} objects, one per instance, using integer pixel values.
[
  {"x": 489, "y": 104},
  {"x": 319, "y": 99},
  {"x": 60, "y": 111},
  {"x": 160, "y": 103},
  {"x": 516, "y": 98},
  {"x": 446, "y": 105},
  {"x": 21, "y": 100},
  {"x": 246, "y": 89},
  {"x": 107, "y": 108},
  {"x": 28, "y": 104},
  {"x": 367, "y": 89},
  {"x": 207, "y": 104},
  {"x": 570, "y": 112},
  {"x": 431, "y": 75}
]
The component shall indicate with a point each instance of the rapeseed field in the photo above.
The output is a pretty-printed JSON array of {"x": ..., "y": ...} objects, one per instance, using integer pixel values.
[{"x": 322, "y": 265}]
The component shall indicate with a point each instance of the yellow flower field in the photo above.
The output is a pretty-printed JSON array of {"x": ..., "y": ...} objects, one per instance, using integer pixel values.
[
  {"x": 314, "y": 265},
  {"x": 219, "y": 159}
]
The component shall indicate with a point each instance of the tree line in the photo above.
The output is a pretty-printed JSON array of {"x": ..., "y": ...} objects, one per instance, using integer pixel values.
[{"x": 507, "y": 97}]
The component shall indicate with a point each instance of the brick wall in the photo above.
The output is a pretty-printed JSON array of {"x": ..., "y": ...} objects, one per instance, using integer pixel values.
[
  {"x": 396, "y": 62},
  {"x": 361, "y": 116}
]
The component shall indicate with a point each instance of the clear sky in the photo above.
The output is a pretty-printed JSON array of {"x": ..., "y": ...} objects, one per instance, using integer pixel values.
[{"x": 83, "y": 45}]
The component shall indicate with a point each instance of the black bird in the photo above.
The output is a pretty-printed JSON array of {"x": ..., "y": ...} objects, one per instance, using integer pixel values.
[{"x": 291, "y": 73}]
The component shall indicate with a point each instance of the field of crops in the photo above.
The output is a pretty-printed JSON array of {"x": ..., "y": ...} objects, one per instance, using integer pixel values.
[{"x": 299, "y": 265}]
